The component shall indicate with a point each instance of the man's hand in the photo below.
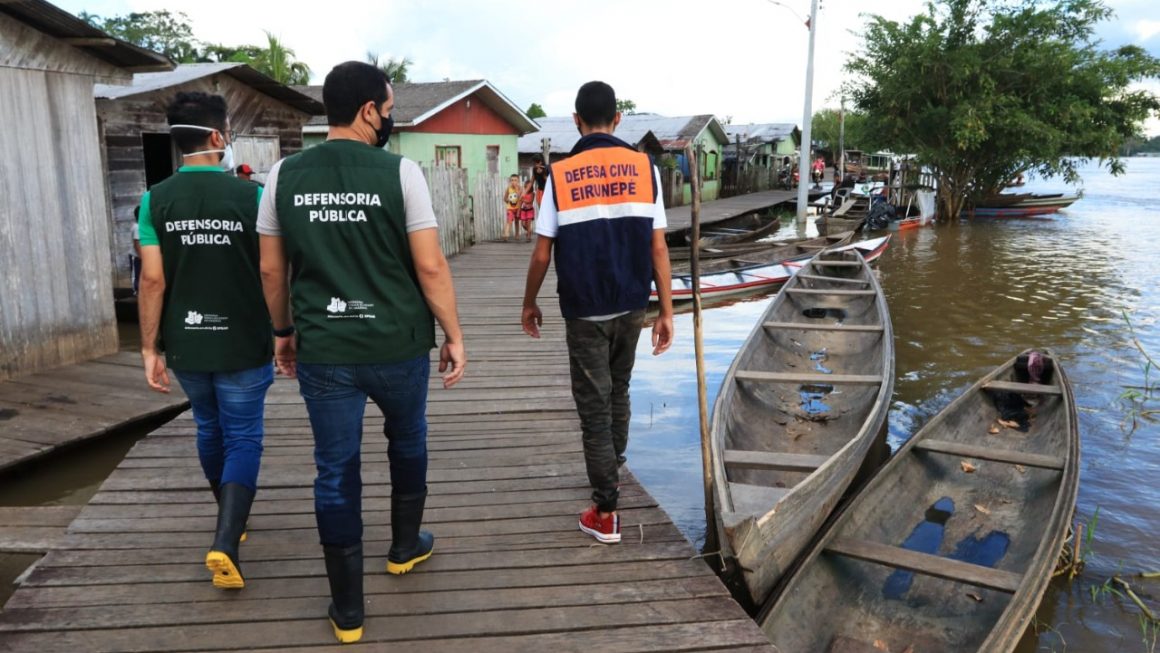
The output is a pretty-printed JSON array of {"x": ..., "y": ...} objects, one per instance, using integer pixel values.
[
  {"x": 532, "y": 319},
  {"x": 452, "y": 363},
  {"x": 155, "y": 373},
  {"x": 662, "y": 334},
  {"x": 286, "y": 356}
]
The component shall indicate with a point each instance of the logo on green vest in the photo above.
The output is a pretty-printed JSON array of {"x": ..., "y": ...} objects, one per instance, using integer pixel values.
[
  {"x": 193, "y": 317},
  {"x": 336, "y": 305},
  {"x": 195, "y": 321},
  {"x": 349, "y": 308}
]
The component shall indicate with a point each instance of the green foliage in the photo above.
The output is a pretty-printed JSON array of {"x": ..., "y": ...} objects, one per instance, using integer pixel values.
[
  {"x": 277, "y": 62},
  {"x": 981, "y": 90},
  {"x": 536, "y": 111},
  {"x": 627, "y": 107},
  {"x": 396, "y": 69},
  {"x": 1141, "y": 145},
  {"x": 160, "y": 31},
  {"x": 826, "y": 129}
]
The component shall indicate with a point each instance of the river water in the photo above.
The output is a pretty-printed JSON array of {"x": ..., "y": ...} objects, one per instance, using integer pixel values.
[{"x": 964, "y": 298}]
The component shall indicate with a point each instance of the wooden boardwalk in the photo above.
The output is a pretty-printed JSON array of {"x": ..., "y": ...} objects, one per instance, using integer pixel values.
[
  {"x": 511, "y": 572},
  {"x": 43, "y": 412},
  {"x": 681, "y": 217}
]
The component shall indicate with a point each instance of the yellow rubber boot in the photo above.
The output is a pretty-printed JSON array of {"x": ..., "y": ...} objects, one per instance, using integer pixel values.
[
  {"x": 226, "y": 574},
  {"x": 344, "y": 572},
  {"x": 348, "y": 636},
  {"x": 409, "y": 544}
]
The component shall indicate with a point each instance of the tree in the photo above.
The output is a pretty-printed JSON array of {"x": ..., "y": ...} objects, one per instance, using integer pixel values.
[
  {"x": 826, "y": 129},
  {"x": 536, "y": 111},
  {"x": 627, "y": 107},
  {"x": 981, "y": 90},
  {"x": 277, "y": 62},
  {"x": 160, "y": 31},
  {"x": 396, "y": 69},
  {"x": 218, "y": 53}
]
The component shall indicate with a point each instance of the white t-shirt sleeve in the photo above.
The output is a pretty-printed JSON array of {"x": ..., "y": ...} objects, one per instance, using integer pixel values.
[
  {"x": 660, "y": 220},
  {"x": 268, "y": 224},
  {"x": 548, "y": 221},
  {"x": 416, "y": 197}
]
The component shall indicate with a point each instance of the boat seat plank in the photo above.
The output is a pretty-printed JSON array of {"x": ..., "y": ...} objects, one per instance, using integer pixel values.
[
  {"x": 991, "y": 453},
  {"x": 839, "y": 263},
  {"x": 807, "y": 377},
  {"x": 806, "y": 326},
  {"x": 1023, "y": 388},
  {"x": 782, "y": 462},
  {"x": 818, "y": 277},
  {"x": 826, "y": 291},
  {"x": 755, "y": 499},
  {"x": 926, "y": 564}
]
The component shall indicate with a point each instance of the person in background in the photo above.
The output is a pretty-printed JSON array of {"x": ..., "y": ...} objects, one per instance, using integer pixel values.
[
  {"x": 527, "y": 210},
  {"x": 201, "y": 303},
  {"x": 135, "y": 251},
  {"x": 539, "y": 177},
  {"x": 511, "y": 203},
  {"x": 245, "y": 172},
  {"x": 366, "y": 292},
  {"x": 607, "y": 231}
]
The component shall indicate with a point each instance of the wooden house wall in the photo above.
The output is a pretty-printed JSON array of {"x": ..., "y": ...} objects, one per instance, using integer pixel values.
[
  {"x": 124, "y": 120},
  {"x": 56, "y": 296}
]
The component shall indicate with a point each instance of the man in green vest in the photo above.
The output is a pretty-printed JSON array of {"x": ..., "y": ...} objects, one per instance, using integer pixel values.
[
  {"x": 201, "y": 303},
  {"x": 354, "y": 226}
]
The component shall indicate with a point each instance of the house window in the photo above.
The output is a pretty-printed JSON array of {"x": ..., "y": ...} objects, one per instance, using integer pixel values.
[
  {"x": 493, "y": 159},
  {"x": 447, "y": 156},
  {"x": 709, "y": 166}
]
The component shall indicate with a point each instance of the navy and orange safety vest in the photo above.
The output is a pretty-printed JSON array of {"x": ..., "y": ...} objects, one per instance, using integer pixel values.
[{"x": 605, "y": 194}]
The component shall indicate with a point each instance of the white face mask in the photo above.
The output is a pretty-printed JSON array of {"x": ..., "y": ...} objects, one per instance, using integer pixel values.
[{"x": 227, "y": 160}]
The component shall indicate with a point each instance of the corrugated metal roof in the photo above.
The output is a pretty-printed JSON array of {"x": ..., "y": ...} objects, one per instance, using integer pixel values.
[
  {"x": 675, "y": 133},
  {"x": 60, "y": 24},
  {"x": 418, "y": 101},
  {"x": 762, "y": 132},
  {"x": 563, "y": 132},
  {"x": 185, "y": 73}
]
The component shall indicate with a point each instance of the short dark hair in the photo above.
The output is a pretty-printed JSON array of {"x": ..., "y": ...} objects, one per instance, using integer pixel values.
[
  {"x": 537, "y": 158},
  {"x": 348, "y": 87},
  {"x": 596, "y": 104},
  {"x": 195, "y": 108}
]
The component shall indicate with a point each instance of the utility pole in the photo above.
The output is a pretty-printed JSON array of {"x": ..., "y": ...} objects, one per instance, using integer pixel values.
[
  {"x": 840, "y": 159},
  {"x": 807, "y": 119}
]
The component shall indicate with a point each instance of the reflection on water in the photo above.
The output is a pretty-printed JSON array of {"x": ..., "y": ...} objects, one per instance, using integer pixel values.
[{"x": 963, "y": 299}]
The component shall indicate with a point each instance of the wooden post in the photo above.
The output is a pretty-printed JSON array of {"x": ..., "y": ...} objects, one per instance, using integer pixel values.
[
  {"x": 546, "y": 149},
  {"x": 693, "y": 157}
]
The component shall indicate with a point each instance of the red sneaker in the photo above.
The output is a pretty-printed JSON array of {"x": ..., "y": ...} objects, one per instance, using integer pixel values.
[{"x": 606, "y": 531}]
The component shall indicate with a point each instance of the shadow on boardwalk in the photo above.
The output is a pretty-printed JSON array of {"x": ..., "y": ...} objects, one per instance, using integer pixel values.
[{"x": 511, "y": 572}]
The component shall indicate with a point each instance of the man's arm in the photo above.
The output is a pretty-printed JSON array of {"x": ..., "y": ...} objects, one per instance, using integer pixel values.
[
  {"x": 439, "y": 291},
  {"x": 150, "y": 299},
  {"x": 276, "y": 288},
  {"x": 531, "y": 318},
  {"x": 662, "y": 335}
]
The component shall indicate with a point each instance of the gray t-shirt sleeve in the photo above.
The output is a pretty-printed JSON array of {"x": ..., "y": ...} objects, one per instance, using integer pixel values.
[
  {"x": 268, "y": 224},
  {"x": 416, "y": 198}
]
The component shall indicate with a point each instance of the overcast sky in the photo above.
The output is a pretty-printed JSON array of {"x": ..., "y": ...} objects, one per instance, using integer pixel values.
[{"x": 743, "y": 59}]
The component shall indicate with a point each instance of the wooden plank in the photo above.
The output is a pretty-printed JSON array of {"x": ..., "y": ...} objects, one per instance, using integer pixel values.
[
  {"x": 807, "y": 377},
  {"x": 818, "y": 277},
  {"x": 811, "y": 326},
  {"x": 825, "y": 291},
  {"x": 926, "y": 564},
  {"x": 783, "y": 462},
  {"x": 755, "y": 499},
  {"x": 992, "y": 454},
  {"x": 836, "y": 263},
  {"x": 1023, "y": 388}
]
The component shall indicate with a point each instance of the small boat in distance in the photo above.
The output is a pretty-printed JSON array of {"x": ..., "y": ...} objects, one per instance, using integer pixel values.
[
  {"x": 805, "y": 398},
  {"x": 1023, "y": 205},
  {"x": 738, "y": 229},
  {"x": 952, "y": 543}
]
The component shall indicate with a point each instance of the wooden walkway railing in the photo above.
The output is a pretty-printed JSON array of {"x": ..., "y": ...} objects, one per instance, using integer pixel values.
[{"x": 511, "y": 572}]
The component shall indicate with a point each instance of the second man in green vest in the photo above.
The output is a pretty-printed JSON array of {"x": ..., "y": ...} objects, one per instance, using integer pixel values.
[{"x": 354, "y": 226}]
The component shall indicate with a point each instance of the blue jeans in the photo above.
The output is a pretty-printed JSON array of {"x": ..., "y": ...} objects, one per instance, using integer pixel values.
[
  {"x": 336, "y": 398},
  {"x": 228, "y": 409}
]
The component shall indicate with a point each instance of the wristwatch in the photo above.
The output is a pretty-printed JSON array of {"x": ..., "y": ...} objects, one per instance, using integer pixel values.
[{"x": 283, "y": 333}]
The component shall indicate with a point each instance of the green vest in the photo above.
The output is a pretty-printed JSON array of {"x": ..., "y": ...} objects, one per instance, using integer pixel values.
[
  {"x": 215, "y": 317},
  {"x": 355, "y": 293}
]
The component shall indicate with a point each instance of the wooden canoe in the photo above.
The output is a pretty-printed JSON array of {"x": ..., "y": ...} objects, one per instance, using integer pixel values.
[
  {"x": 802, "y": 403},
  {"x": 738, "y": 229},
  {"x": 931, "y": 556},
  {"x": 772, "y": 253},
  {"x": 680, "y": 255},
  {"x": 756, "y": 277}
]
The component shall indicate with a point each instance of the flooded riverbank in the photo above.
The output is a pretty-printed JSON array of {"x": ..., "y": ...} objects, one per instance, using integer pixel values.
[{"x": 963, "y": 299}]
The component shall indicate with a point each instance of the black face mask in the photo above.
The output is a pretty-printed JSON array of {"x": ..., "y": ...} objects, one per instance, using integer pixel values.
[{"x": 383, "y": 134}]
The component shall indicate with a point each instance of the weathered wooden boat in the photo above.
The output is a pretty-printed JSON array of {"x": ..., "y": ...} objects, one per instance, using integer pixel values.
[
  {"x": 771, "y": 253},
  {"x": 829, "y": 224},
  {"x": 738, "y": 229},
  {"x": 802, "y": 403},
  {"x": 1023, "y": 205},
  {"x": 680, "y": 255},
  {"x": 952, "y": 543},
  {"x": 919, "y": 213},
  {"x": 744, "y": 280}
]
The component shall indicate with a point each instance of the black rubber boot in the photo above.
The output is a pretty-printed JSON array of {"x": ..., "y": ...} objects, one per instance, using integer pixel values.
[
  {"x": 344, "y": 570},
  {"x": 216, "y": 488},
  {"x": 222, "y": 559},
  {"x": 409, "y": 545}
]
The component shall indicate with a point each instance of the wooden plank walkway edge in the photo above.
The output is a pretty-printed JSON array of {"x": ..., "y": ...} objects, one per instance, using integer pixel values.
[{"x": 511, "y": 571}]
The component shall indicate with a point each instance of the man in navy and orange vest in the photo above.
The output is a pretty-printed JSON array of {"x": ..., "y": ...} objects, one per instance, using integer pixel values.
[{"x": 602, "y": 214}]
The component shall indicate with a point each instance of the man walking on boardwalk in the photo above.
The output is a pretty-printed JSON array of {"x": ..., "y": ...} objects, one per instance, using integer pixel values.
[
  {"x": 603, "y": 215},
  {"x": 201, "y": 293},
  {"x": 354, "y": 225}
]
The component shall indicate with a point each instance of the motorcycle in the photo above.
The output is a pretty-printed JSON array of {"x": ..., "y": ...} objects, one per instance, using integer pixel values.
[
  {"x": 816, "y": 176},
  {"x": 784, "y": 179}
]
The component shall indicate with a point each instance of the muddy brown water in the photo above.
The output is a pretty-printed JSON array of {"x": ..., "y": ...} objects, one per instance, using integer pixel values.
[{"x": 964, "y": 298}]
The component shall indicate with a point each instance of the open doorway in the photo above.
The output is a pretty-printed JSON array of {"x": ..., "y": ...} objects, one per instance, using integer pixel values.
[{"x": 159, "y": 158}]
